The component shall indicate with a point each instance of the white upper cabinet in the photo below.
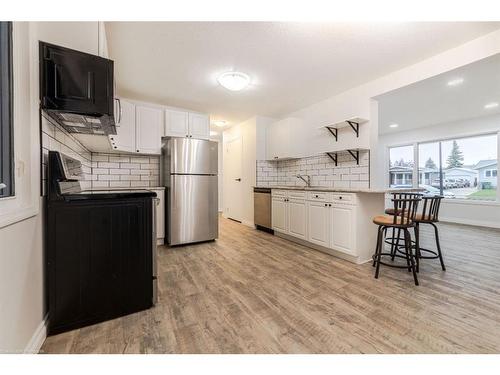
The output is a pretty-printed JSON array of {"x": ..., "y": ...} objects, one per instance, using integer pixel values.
[
  {"x": 124, "y": 140},
  {"x": 140, "y": 126},
  {"x": 149, "y": 126},
  {"x": 176, "y": 123},
  {"x": 281, "y": 139},
  {"x": 199, "y": 126},
  {"x": 186, "y": 124}
]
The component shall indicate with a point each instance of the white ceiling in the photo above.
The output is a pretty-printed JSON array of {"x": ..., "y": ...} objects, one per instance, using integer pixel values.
[
  {"x": 432, "y": 101},
  {"x": 292, "y": 65}
]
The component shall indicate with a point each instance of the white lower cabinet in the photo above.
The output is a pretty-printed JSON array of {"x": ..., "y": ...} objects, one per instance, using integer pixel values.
[
  {"x": 342, "y": 228},
  {"x": 279, "y": 214},
  {"x": 297, "y": 215},
  {"x": 324, "y": 219},
  {"x": 318, "y": 223}
]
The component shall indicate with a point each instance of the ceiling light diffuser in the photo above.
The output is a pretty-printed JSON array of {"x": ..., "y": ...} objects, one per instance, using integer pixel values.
[
  {"x": 213, "y": 133},
  {"x": 219, "y": 123},
  {"x": 491, "y": 105},
  {"x": 456, "y": 82},
  {"x": 234, "y": 81},
  {"x": 393, "y": 125}
]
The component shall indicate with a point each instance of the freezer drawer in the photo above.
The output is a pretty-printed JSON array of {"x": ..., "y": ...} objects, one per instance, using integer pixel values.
[{"x": 193, "y": 206}]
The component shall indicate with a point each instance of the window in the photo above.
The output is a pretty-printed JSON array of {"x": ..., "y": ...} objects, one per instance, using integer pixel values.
[
  {"x": 6, "y": 141},
  {"x": 464, "y": 168},
  {"x": 401, "y": 167}
]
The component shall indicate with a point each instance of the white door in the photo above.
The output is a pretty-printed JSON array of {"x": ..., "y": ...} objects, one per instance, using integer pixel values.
[
  {"x": 341, "y": 228},
  {"x": 149, "y": 125},
  {"x": 124, "y": 139},
  {"x": 279, "y": 214},
  {"x": 176, "y": 123},
  {"x": 297, "y": 218},
  {"x": 318, "y": 223},
  {"x": 233, "y": 196},
  {"x": 199, "y": 126}
]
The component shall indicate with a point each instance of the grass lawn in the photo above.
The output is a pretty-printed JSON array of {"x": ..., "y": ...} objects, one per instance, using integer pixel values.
[{"x": 485, "y": 194}]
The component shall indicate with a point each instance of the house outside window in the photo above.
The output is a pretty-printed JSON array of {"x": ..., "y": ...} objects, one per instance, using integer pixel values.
[{"x": 462, "y": 168}]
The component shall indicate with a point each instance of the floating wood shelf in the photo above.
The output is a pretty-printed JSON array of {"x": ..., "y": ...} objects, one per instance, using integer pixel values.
[{"x": 352, "y": 122}]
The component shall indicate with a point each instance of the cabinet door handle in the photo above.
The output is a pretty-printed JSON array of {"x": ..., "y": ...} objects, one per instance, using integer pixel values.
[{"x": 340, "y": 197}]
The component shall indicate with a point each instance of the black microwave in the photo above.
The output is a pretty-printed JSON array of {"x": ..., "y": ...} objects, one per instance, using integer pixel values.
[{"x": 76, "y": 90}]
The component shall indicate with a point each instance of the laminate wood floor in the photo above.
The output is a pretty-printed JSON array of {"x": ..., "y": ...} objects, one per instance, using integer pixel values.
[{"x": 251, "y": 292}]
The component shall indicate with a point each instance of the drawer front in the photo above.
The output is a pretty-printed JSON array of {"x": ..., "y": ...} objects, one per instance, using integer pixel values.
[
  {"x": 279, "y": 193},
  {"x": 297, "y": 194},
  {"x": 344, "y": 198},
  {"x": 319, "y": 196}
]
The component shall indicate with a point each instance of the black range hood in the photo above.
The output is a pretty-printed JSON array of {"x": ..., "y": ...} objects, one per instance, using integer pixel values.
[{"x": 76, "y": 90}]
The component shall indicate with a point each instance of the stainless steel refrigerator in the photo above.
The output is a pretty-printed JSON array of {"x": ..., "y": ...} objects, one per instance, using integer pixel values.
[{"x": 189, "y": 174}]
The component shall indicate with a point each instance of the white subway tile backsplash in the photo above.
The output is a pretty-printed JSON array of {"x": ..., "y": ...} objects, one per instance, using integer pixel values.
[
  {"x": 129, "y": 177},
  {"x": 100, "y": 170},
  {"x": 139, "y": 183},
  {"x": 120, "y": 184},
  {"x": 129, "y": 165},
  {"x": 108, "y": 177},
  {"x": 104, "y": 164},
  {"x": 320, "y": 168}
]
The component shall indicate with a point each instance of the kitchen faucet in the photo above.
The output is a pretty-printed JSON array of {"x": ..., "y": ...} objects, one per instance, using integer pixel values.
[{"x": 307, "y": 181}]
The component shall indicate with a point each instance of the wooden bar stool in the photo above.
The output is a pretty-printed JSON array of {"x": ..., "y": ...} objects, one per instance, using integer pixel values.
[
  {"x": 395, "y": 241},
  {"x": 405, "y": 210},
  {"x": 429, "y": 215}
]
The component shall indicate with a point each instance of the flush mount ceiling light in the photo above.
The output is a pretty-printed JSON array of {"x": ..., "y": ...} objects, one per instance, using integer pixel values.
[
  {"x": 456, "y": 82},
  {"x": 234, "y": 81},
  {"x": 393, "y": 125},
  {"x": 219, "y": 123},
  {"x": 491, "y": 105},
  {"x": 213, "y": 133}
]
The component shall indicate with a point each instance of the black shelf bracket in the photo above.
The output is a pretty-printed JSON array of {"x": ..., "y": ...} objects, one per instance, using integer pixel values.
[
  {"x": 355, "y": 155},
  {"x": 333, "y": 156},
  {"x": 354, "y": 126},
  {"x": 334, "y": 132}
]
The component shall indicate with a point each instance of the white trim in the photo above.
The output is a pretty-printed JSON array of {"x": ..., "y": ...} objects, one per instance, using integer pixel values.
[
  {"x": 477, "y": 223},
  {"x": 25, "y": 203},
  {"x": 472, "y": 202},
  {"x": 38, "y": 338}
]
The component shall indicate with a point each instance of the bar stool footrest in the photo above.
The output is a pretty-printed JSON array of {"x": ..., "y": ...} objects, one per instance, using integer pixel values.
[{"x": 374, "y": 257}]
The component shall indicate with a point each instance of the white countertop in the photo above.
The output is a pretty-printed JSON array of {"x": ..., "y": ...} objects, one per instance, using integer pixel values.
[{"x": 341, "y": 190}]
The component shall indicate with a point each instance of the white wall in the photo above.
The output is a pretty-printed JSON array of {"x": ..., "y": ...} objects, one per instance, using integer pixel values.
[
  {"x": 22, "y": 308},
  {"x": 358, "y": 102},
  {"x": 474, "y": 213},
  {"x": 253, "y": 135}
]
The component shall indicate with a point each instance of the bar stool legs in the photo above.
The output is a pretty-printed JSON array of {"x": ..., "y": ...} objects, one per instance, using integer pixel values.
[
  {"x": 438, "y": 245},
  {"x": 408, "y": 253}
]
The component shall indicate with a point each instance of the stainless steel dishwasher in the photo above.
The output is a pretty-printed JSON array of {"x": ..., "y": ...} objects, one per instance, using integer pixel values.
[{"x": 262, "y": 209}]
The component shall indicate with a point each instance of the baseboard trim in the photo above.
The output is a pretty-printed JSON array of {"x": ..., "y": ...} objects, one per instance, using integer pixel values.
[
  {"x": 38, "y": 338},
  {"x": 326, "y": 250},
  {"x": 476, "y": 223}
]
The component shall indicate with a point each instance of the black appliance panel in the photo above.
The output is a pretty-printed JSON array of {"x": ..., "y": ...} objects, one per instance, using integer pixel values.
[{"x": 75, "y": 82}]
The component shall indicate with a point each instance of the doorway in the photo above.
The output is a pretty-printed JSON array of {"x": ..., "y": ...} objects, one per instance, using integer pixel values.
[{"x": 233, "y": 195}]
